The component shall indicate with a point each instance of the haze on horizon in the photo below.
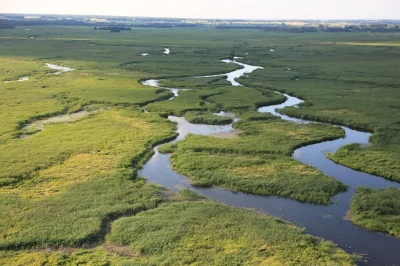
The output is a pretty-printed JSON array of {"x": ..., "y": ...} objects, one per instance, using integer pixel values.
[{"x": 224, "y": 9}]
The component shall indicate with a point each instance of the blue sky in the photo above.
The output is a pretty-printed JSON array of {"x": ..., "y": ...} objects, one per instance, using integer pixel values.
[{"x": 245, "y": 9}]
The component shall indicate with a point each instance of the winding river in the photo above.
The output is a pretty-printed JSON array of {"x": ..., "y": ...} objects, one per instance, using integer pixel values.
[{"x": 327, "y": 222}]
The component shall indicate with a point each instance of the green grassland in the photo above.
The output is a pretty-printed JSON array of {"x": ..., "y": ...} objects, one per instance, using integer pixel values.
[
  {"x": 45, "y": 95},
  {"x": 75, "y": 217},
  {"x": 370, "y": 159},
  {"x": 195, "y": 82},
  {"x": 265, "y": 175},
  {"x": 259, "y": 160},
  {"x": 62, "y": 187},
  {"x": 374, "y": 159},
  {"x": 207, "y": 118},
  {"x": 69, "y": 179},
  {"x": 354, "y": 85},
  {"x": 192, "y": 100},
  {"x": 242, "y": 99},
  {"x": 222, "y": 97},
  {"x": 121, "y": 136},
  {"x": 213, "y": 234},
  {"x": 377, "y": 210},
  {"x": 189, "y": 229},
  {"x": 273, "y": 136}
]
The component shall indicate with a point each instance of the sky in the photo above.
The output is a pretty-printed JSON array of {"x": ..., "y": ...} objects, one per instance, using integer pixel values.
[{"x": 244, "y": 9}]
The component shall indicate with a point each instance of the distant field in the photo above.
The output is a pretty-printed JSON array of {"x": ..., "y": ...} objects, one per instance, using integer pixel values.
[{"x": 367, "y": 43}]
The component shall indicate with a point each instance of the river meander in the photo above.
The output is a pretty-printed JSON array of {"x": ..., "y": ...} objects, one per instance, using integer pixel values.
[{"x": 327, "y": 222}]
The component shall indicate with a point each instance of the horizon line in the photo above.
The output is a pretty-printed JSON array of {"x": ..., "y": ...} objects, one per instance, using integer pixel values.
[{"x": 202, "y": 18}]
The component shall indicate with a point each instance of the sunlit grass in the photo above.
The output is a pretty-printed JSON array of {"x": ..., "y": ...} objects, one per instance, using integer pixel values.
[
  {"x": 258, "y": 161},
  {"x": 207, "y": 233},
  {"x": 377, "y": 210},
  {"x": 370, "y": 159},
  {"x": 64, "y": 184},
  {"x": 118, "y": 133}
]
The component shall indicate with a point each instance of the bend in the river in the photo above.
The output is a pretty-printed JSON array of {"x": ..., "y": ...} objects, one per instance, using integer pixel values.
[{"x": 324, "y": 221}]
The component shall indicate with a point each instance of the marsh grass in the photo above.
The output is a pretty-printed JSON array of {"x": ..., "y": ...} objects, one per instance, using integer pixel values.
[
  {"x": 48, "y": 95},
  {"x": 192, "y": 230},
  {"x": 242, "y": 98},
  {"x": 70, "y": 201},
  {"x": 207, "y": 118},
  {"x": 64, "y": 185},
  {"x": 264, "y": 175},
  {"x": 210, "y": 233},
  {"x": 331, "y": 76},
  {"x": 273, "y": 136},
  {"x": 195, "y": 82},
  {"x": 259, "y": 160},
  {"x": 227, "y": 98},
  {"x": 78, "y": 216},
  {"x": 369, "y": 159},
  {"x": 380, "y": 159},
  {"x": 192, "y": 100},
  {"x": 167, "y": 148},
  {"x": 113, "y": 133},
  {"x": 377, "y": 209}
]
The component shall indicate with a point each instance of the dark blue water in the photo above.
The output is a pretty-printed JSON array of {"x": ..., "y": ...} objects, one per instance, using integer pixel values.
[{"x": 323, "y": 221}]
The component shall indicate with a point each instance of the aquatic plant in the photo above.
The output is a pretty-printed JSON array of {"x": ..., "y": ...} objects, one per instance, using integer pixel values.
[{"x": 377, "y": 209}]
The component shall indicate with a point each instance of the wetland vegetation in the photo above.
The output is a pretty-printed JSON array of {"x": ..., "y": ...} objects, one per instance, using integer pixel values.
[
  {"x": 259, "y": 160},
  {"x": 333, "y": 75},
  {"x": 63, "y": 188},
  {"x": 188, "y": 229},
  {"x": 207, "y": 118},
  {"x": 377, "y": 210}
]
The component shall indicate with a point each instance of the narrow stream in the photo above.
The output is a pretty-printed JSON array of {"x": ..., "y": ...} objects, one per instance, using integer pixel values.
[
  {"x": 19, "y": 80},
  {"x": 61, "y": 69},
  {"x": 154, "y": 83},
  {"x": 39, "y": 125},
  {"x": 323, "y": 221}
]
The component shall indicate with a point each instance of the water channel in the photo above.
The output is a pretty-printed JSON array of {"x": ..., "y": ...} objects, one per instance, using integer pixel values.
[{"x": 327, "y": 222}]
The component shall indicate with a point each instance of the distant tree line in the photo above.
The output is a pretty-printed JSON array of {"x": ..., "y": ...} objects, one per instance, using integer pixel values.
[
  {"x": 382, "y": 26},
  {"x": 113, "y": 28},
  {"x": 316, "y": 28},
  {"x": 5, "y": 23},
  {"x": 167, "y": 25}
]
